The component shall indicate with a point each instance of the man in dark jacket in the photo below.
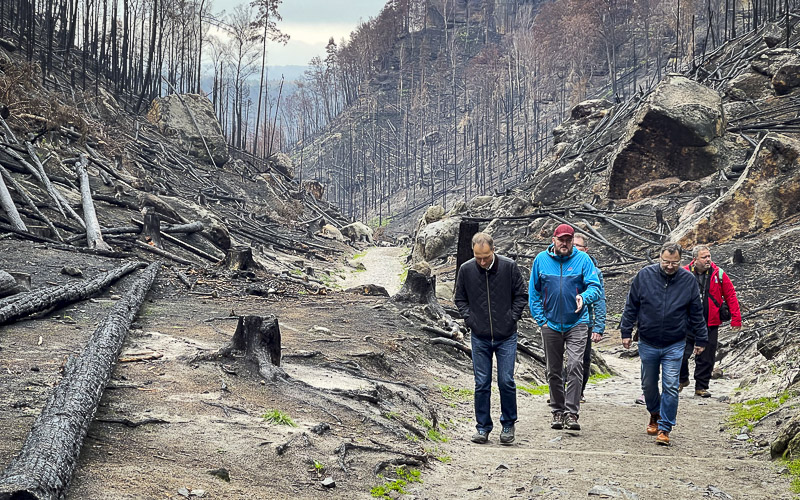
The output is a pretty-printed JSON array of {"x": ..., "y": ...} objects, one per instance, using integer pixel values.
[
  {"x": 491, "y": 295},
  {"x": 716, "y": 289},
  {"x": 665, "y": 303},
  {"x": 563, "y": 281}
]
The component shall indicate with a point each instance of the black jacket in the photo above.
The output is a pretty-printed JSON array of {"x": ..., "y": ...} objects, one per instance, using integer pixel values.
[
  {"x": 491, "y": 302},
  {"x": 667, "y": 308}
]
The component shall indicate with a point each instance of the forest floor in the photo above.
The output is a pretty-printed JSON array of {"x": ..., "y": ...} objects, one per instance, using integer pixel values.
[{"x": 214, "y": 421}]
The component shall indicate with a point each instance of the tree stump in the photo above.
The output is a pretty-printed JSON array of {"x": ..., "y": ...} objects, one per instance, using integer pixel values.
[
  {"x": 152, "y": 227},
  {"x": 466, "y": 230},
  {"x": 420, "y": 289},
  {"x": 240, "y": 258},
  {"x": 259, "y": 337}
]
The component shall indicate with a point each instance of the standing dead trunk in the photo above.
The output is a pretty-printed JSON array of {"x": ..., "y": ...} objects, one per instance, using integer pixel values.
[
  {"x": 151, "y": 228},
  {"x": 44, "y": 467},
  {"x": 260, "y": 339},
  {"x": 93, "y": 235},
  {"x": 466, "y": 230},
  {"x": 239, "y": 258}
]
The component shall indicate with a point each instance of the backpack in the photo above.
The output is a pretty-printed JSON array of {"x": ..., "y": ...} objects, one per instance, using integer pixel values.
[{"x": 724, "y": 310}]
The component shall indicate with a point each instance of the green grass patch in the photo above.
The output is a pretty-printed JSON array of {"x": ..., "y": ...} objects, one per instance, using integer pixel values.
[
  {"x": 278, "y": 417},
  {"x": 359, "y": 255},
  {"x": 456, "y": 395},
  {"x": 403, "y": 275},
  {"x": 431, "y": 433},
  {"x": 597, "y": 377},
  {"x": 794, "y": 472},
  {"x": 404, "y": 477},
  {"x": 534, "y": 390},
  {"x": 753, "y": 410}
]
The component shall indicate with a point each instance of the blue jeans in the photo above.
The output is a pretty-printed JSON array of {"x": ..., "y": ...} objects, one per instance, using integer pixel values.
[
  {"x": 506, "y": 352},
  {"x": 665, "y": 361}
]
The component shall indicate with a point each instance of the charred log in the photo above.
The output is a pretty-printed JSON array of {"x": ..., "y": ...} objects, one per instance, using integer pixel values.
[
  {"x": 44, "y": 467},
  {"x": 93, "y": 235}
]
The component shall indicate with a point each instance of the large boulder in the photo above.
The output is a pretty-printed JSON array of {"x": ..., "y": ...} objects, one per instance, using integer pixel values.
[
  {"x": 771, "y": 61},
  {"x": 787, "y": 78},
  {"x": 439, "y": 238},
  {"x": 787, "y": 444},
  {"x": 583, "y": 116},
  {"x": 559, "y": 183},
  {"x": 767, "y": 192},
  {"x": 749, "y": 86},
  {"x": 174, "y": 120},
  {"x": 357, "y": 231},
  {"x": 653, "y": 188},
  {"x": 671, "y": 135}
]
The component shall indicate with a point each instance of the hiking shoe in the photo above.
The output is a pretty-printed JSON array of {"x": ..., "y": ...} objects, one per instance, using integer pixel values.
[
  {"x": 583, "y": 399},
  {"x": 640, "y": 400},
  {"x": 662, "y": 438},
  {"x": 558, "y": 420},
  {"x": 571, "y": 422},
  {"x": 507, "y": 436},
  {"x": 480, "y": 437},
  {"x": 652, "y": 427},
  {"x": 702, "y": 393},
  {"x": 682, "y": 385}
]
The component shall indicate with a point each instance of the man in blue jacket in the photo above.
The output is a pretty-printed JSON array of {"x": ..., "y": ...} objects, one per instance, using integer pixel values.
[
  {"x": 664, "y": 301},
  {"x": 491, "y": 296},
  {"x": 563, "y": 282}
]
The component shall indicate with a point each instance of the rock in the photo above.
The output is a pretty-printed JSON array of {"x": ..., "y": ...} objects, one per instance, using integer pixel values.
[
  {"x": 669, "y": 136},
  {"x": 717, "y": 373},
  {"x": 170, "y": 115},
  {"x": 480, "y": 201},
  {"x": 583, "y": 116},
  {"x": 183, "y": 492},
  {"x": 769, "y": 62},
  {"x": 501, "y": 466},
  {"x": 787, "y": 78},
  {"x": 433, "y": 214},
  {"x": 788, "y": 440},
  {"x": 321, "y": 428},
  {"x": 328, "y": 482},
  {"x": 331, "y": 232},
  {"x": 596, "y": 108},
  {"x": 357, "y": 231},
  {"x": 439, "y": 238},
  {"x": 198, "y": 493},
  {"x": 693, "y": 207},
  {"x": 770, "y": 344},
  {"x": 560, "y": 183},
  {"x": 369, "y": 290},
  {"x": 773, "y": 35},
  {"x": 715, "y": 492},
  {"x": 282, "y": 164},
  {"x": 653, "y": 188},
  {"x": 314, "y": 188},
  {"x": 742, "y": 437},
  {"x": 221, "y": 473},
  {"x": 749, "y": 86},
  {"x": 357, "y": 265},
  {"x": 72, "y": 271},
  {"x": 767, "y": 192}
]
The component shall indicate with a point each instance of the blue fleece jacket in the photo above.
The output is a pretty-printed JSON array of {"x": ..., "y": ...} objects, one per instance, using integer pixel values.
[{"x": 554, "y": 283}]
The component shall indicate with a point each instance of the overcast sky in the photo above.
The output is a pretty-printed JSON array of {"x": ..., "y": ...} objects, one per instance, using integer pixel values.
[{"x": 310, "y": 23}]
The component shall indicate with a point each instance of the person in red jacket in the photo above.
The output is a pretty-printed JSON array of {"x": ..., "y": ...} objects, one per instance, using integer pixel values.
[{"x": 715, "y": 290}]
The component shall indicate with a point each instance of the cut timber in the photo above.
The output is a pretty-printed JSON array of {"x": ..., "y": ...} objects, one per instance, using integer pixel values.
[
  {"x": 239, "y": 258},
  {"x": 8, "y": 205},
  {"x": 58, "y": 296},
  {"x": 28, "y": 201},
  {"x": 44, "y": 467},
  {"x": 93, "y": 235},
  {"x": 260, "y": 339}
]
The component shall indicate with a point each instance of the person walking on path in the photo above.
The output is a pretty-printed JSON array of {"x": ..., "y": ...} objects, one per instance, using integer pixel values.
[
  {"x": 491, "y": 296},
  {"x": 597, "y": 314},
  {"x": 665, "y": 303},
  {"x": 563, "y": 282},
  {"x": 716, "y": 289}
]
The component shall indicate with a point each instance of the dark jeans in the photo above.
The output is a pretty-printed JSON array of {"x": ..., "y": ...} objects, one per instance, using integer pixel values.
[
  {"x": 506, "y": 353},
  {"x": 704, "y": 363}
]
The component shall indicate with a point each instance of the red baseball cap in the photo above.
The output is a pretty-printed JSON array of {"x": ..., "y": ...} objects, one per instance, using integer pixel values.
[{"x": 563, "y": 230}]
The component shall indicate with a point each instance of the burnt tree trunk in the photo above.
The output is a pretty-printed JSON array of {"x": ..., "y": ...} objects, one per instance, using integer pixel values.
[
  {"x": 419, "y": 289},
  {"x": 151, "y": 228},
  {"x": 58, "y": 296},
  {"x": 260, "y": 339},
  {"x": 93, "y": 235},
  {"x": 239, "y": 258},
  {"x": 8, "y": 205},
  {"x": 10, "y": 283},
  {"x": 44, "y": 467},
  {"x": 466, "y": 230}
]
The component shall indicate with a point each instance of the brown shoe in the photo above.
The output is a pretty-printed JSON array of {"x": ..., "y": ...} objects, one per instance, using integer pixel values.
[
  {"x": 652, "y": 427},
  {"x": 702, "y": 393},
  {"x": 682, "y": 385},
  {"x": 662, "y": 438}
]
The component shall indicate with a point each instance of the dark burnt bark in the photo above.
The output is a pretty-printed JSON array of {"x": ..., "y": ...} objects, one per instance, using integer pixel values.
[
  {"x": 260, "y": 339},
  {"x": 44, "y": 467},
  {"x": 240, "y": 258},
  {"x": 151, "y": 227}
]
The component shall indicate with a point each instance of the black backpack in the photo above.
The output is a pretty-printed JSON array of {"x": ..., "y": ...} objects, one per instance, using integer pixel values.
[{"x": 724, "y": 310}]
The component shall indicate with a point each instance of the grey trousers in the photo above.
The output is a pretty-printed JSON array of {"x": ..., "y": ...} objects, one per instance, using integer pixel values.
[{"x": 555, "y": 343}]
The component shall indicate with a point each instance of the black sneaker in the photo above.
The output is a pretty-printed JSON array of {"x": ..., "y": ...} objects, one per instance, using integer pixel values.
[
  {"x": 507, "y": 436},
  {"x": 571, "y": 422},
  {"x": 558, "y": 420},
  {"x": 480, "y": 437}
]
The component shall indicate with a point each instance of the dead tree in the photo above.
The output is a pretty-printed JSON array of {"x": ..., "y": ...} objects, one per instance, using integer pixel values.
[
  {"x": 44, "y": 467},
  {"x": 419, "y": 289},
  {"x": 151, "y": 226},
  {"x": 58, "y": 296},
  {"x": 260, "y": 339},
  {"x": 8, "y": 205},
  {"x": 240, "y": 258},
  {"x": 93, "y": 235}
]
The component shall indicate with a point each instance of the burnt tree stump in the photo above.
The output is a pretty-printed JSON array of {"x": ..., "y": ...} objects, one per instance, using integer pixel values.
[
  {"x": 466, "y": 230},
  {"x": 259, "y": 337},
  {"x": 151, "y": 228},
  {"x": 240, "y": 258}
]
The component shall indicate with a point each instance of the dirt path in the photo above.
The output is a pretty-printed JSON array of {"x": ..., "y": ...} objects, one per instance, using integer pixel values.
[
  {"x": 384, "y": 265},
  {"x": 611, "y": 455}
]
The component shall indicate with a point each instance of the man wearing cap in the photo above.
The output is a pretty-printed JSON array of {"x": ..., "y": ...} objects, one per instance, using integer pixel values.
[{"x": 563, "y": 283}]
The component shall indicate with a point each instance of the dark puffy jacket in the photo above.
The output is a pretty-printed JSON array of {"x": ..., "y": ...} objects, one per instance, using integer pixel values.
[
  {"x": 491, "y": 302},
  {"x": 667, "y": 308}
]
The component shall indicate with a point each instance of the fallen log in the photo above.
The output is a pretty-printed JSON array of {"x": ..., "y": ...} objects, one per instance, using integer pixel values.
[
  {"x": 164, "y": 253},
  {"x": 44, "y": 467},
  {"x": 28, "y": 201},
  {"x": 93, "y": 235},
  {"x": 58, "y": 296},
  {"x": 452, "y": 343},
  {"x": 8, "y": 205}
]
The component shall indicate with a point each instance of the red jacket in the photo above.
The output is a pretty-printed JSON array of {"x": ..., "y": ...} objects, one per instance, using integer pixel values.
[{"x": 718, "y": 290}]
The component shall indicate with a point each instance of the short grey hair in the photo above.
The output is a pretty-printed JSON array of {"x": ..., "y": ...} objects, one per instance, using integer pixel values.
[
  {"x": 671, "y": 247},
  {"x": 697, "y": 249},
  {"x": 482, "y": 239},
  {"x": 582, "y": 237}
]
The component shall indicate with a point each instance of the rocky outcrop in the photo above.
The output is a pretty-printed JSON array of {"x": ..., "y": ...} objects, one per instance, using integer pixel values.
[
  {"x": 787, "y": 444},
  {"x": 437, "y": 239},
  {"x": 559, "y": 184},
  {"x": 433, "y": 214},
  {"x": 787, "y": 78},
  {"x": 174, "y": 120},
  {"x": 357, "y": 231},
  {"x": 653, "y": 188},
  {"x": 767, "y": 192},
  {"x": 582, "y": 117},
  {"x": 670, "y": 136},
  {"x": 749, "y": 86}
]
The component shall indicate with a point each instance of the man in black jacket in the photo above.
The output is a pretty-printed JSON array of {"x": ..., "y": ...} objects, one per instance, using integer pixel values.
[
  {"x": 665, "y": 303},
  {"x": 491, "y": 295}
]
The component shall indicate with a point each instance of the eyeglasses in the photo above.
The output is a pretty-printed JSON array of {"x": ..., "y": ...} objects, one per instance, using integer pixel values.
[
  {"x": 671, "y": 263},
  {"x": 580, "y": 247}
]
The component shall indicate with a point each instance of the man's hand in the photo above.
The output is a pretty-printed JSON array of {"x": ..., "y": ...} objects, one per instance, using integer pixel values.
[
  {"x": 736, "y": 329},
  {"x": 597, "y": 337},
  {"x": 698, "y": 350},
  {"x": 579, "y": 302},
  {"x": 626, "y": 343}
]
